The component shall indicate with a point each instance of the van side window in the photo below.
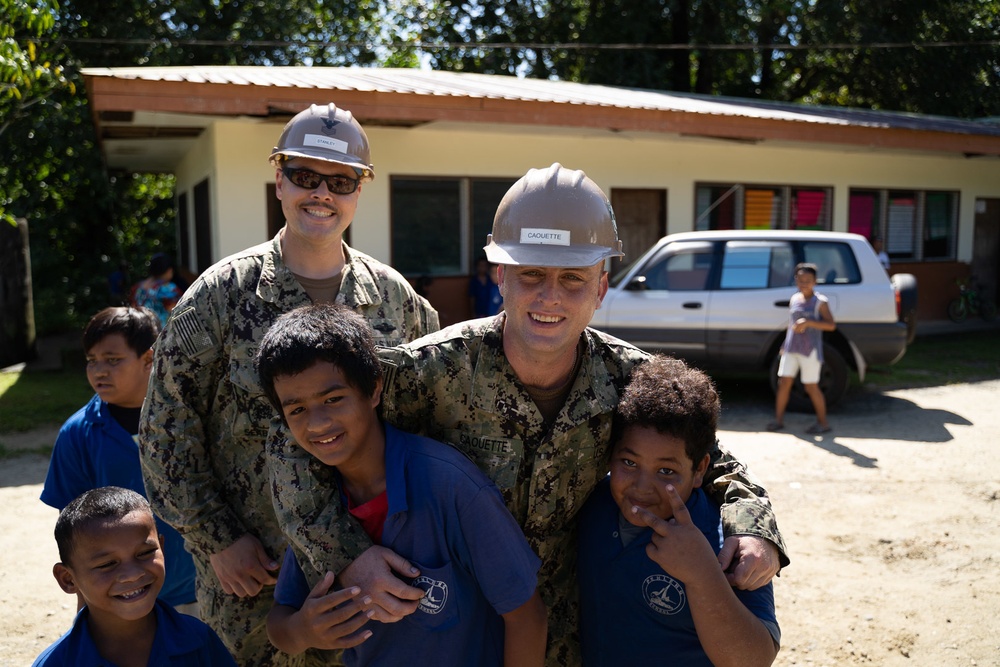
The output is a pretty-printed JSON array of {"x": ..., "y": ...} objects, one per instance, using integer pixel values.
[
  {"x": 681, "y": 267},
  {"x": 757, "y": 265},
  {"x": 835, "y": 262}
]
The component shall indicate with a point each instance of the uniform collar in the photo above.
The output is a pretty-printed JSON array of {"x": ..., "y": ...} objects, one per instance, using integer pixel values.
[
  {"x": 277, "y": 284},
  {"x": 360, "y": 286},
  {"x": 168, "y": 624},
  {"x": 593, "y": 392}
]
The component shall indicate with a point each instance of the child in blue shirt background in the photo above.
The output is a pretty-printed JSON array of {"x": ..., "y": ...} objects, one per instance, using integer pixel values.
[
  {"x": 110, "y": 556},
  {"x": 97, "y": 445},
  {"x": 422, "y": 499},
  {"x": 651, "y": 588}
]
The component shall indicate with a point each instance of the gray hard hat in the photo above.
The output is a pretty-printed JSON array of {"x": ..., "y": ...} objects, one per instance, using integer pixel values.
[
  {"x": 553, "y": 217},
  {"x": 326, "y": 133}
]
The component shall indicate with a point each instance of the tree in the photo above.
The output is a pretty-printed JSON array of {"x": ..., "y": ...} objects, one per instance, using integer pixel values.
[
  {"x": 28, "y": 77},
  {"x": 854, "y": 53},
  {"x": 962, "y": 79}
]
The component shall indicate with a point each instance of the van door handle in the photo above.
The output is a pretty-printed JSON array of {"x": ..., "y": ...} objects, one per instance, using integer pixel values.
[
  {"x": 691, "y": 305},
  {"x": 782, "y": 304}
]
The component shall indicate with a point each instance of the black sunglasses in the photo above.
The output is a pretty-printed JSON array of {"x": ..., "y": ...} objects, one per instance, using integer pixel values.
[{"x": 310, "y": 180}]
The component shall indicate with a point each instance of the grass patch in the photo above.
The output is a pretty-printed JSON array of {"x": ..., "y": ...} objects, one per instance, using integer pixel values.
[
  {"x": 9, "y": 453},
  {"x": 29, "y": 400},
  {"x": 941, "y": 360}
]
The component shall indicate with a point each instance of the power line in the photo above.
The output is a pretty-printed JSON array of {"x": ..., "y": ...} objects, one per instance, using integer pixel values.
[{"x": 559, "y": 46}]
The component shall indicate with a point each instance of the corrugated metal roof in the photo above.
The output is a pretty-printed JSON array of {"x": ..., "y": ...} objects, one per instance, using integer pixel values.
[{"x": 469, "y": 85}]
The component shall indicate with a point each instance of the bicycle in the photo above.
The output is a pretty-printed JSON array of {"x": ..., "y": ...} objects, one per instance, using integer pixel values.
[{"x": 970, "y": 302}]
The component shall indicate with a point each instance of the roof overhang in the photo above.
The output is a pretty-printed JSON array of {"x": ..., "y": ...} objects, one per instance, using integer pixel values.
[{"x": 147, "y": 118}]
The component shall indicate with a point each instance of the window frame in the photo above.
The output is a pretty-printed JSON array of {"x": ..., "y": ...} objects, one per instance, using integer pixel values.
[
  {"x": 881, "y": 226},
  {"x": 469, "y": 248},
  {"x": 788, "y": 205}
]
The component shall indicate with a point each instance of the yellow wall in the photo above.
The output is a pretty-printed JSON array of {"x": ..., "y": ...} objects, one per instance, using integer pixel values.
[{"x": 234, "y": 154}]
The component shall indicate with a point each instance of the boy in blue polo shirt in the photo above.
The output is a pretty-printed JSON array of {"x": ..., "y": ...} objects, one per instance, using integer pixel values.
[
  {"x": 110, "y": 556},
  {"x": 651, "y": 588},
  {"x": 423, "y": 500},
  {"x": 97, "y": 445}
]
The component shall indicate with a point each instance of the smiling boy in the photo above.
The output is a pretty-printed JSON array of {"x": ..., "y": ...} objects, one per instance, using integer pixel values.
[
  {"x": 423, "y": 500},
  {"x": 651, "y": 588},
  {"x": 110, "y": 556}
]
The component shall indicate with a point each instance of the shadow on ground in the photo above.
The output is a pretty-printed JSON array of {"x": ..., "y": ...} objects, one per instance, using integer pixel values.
[{"x": 865, "y": 413}]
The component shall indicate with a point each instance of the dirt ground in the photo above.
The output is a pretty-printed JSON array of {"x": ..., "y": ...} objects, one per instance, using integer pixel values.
[{"x": 891, "y": 522}]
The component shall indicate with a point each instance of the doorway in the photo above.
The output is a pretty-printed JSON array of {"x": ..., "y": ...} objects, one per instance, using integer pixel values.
[
  {"x": 986, "y": 246},
  {"x": 641, "y": 215}
]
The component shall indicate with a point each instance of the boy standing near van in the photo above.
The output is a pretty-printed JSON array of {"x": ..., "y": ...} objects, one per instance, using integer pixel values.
[{"x": 802, "y": 352}]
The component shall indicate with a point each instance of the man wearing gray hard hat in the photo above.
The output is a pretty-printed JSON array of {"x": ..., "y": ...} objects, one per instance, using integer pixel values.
[
  {"x": 205, "y": 418},
  {"x": 529, "y": 395}
]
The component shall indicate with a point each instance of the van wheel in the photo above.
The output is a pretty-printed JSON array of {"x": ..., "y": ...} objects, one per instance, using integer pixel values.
[{"x": 833, "y": 381}]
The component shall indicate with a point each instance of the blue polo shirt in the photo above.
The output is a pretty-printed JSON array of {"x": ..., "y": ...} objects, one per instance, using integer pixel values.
[
  {"x": 450, "y": 521},
  {"x": 631, "y": 611},
  {"x": 93, "y": 450},
  {"x": 181, "y": 640}
]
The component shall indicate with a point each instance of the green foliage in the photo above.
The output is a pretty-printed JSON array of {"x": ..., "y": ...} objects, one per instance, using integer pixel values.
[
  {"x": 29, "y": 75},
  {"x": 941, "y": 360},
  {"x": 959, "y": 80},
  {"x": 31, "y": 400}
]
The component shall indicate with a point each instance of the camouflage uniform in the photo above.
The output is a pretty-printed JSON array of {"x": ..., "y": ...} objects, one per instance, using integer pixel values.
[
  {"x": 458, "y": 387},
  {"x": 205, "y": 419}
]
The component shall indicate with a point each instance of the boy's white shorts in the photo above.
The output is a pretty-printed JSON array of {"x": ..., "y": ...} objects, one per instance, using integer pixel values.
[{"x": 793, "y": 364}]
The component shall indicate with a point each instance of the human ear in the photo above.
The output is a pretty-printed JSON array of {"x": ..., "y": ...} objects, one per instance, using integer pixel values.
[
  {"x": 699, "y": 472},
  {"x": 602, "y": 288},
  {"x": 377, "y": 394},
  {"x": 64, "y": 577},
  {"x": 278, "y": 179}
]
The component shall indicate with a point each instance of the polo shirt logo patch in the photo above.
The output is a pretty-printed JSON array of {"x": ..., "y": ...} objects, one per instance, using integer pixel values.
[
  {"x": 435, "y": 594},
  {"x": 663, "y": 594}
]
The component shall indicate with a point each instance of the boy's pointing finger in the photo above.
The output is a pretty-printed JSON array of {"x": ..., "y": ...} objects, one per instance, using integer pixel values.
[{"x": 659, "y": 526}]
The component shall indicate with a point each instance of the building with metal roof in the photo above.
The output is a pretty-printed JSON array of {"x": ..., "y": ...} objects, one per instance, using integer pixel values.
[{"x": 446, "y": 145}]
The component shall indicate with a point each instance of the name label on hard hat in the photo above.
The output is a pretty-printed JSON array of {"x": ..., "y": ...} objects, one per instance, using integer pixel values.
[
  {"x": 320, "y": 141},
  {"x": 545, "y": 236}
]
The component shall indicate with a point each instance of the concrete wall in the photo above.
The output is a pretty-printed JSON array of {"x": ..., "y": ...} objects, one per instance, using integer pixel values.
[{"x": 233, "y": 154}]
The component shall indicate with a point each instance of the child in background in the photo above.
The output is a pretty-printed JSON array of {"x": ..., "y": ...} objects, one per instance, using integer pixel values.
[
  {"x": 422, "y": 499},
  {"x": 109, "y": 555},
  {"x": 158, "y": 291},
  {"x": 484, "y": 293},
  {"x": 651, "y": 588},
  {"x": 802, "y": 352},
  {"x": 97, "y": 445}
]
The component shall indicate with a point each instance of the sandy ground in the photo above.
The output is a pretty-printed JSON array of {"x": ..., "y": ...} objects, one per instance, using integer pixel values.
[{"x": 891, "y": 523}]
